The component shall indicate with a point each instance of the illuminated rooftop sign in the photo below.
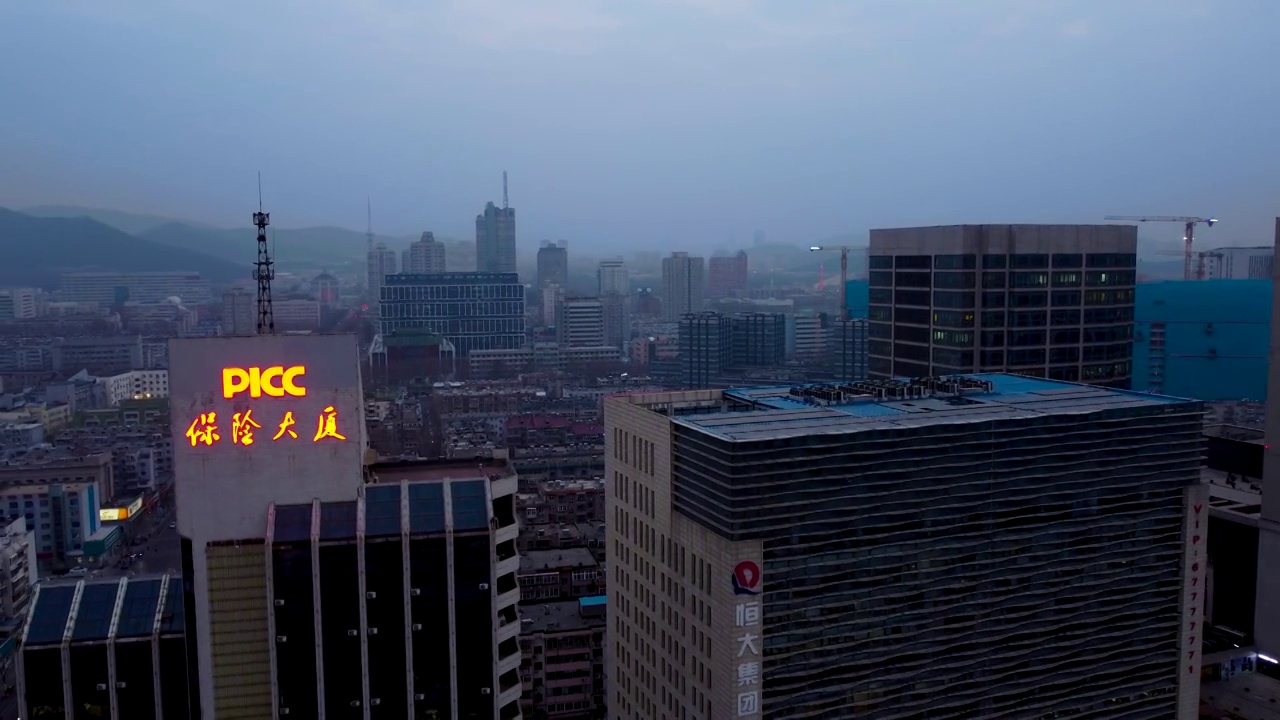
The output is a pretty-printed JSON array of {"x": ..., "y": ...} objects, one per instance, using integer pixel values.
[
  {"x": 277, "y": 381},
  {"x": 207, "y": 429}
]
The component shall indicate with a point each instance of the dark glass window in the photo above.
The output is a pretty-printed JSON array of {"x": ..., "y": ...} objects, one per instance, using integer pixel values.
[
  {"x": 948, "y": 299},
  {"x": 1068, "y": 260},
  {"x": 994, "y": 279},
  {"x": 1111, "y": 260},
  {"x": 994, "y": 262},
  {"x": 1093, "y": 316},
  {"x": 955, "y": 262},
  {"x": 880, "y": 312},
  {"x": 1065, "y": 336},
  {"x": 914, "y": 316},
  {"x": 911, "y": 297},
  {"x": 953, "y": 338},
  {"x": 879, "y": 330},
  {"x": 1109, "y": 278},
  {"x": 1063, "y": 298},
  {"x": 994, "y": 299},
  {"x": 1064, "y": 317},
  {"x": 1026, "y": 338},
  {"x": 953, "y": 319},
  {"x": 1029, "y": 261},
  {"x": 992, "y": 337},
  {"x": 911, "y": 279},
  {"x": 906, "y": 351},
  {"x": 880, "y": 296},
  {"x": 1028, "y": 318},
  {"x": 1066, "y": 279},
  {"x": 992, "y": 358},
  {"x": 1064, "y": 354},
  {"x": 879, "y": 365},
  {"x": 1069, "y": 374},
  {"x": 879, "y": 347},
  {"x": 1029, "y": 279},
  {"x": 1025, "y": 356},
  {"x": 954, "y": 280},
  {"x": 880, "y": 262},
  {"x": 1028, "y": 299},
  {"x": 910, "y": 333},
  {"x": 903, "y": 368},
  {"x": 880, "y": 278},
  {"x": 953, "y": 358},
  {"x": 912, "y": 262},
  {"x": 992, "y": 318}
]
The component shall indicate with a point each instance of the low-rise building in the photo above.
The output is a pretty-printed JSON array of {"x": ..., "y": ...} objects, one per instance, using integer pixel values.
[
  {"x": 562, "y": 665},
  {"x": 565, "y": 574},
  {"x": 59, "y": 494}
]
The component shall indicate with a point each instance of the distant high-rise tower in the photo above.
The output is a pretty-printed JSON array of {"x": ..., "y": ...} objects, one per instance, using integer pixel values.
[
  {"x": 553, "y": 264},
  {"x": 727, "y": 274},
  {"x": 496, "y": 236},
  {"x": 382, "y": 262},
  {"x": 612, "y": 278},
  {"x": 580, "y": 322},
  {"x": 424, "y": 256},
  {"x": 683, "y": 285}
]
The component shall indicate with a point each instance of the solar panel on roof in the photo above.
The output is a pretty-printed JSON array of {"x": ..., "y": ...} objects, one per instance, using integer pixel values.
[
  {"x": 138, "y": 613},
  {"x": 49, "y": 617},
  {"x": 293, "y": 523},
  {"x": 338, "y": 520},
  {"x": 382, "y": 510},
  {"x": 93, "y": 615}
]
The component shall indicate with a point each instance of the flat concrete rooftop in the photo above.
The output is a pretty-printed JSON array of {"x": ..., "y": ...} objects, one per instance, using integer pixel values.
[{"x": 778, "y": 412}]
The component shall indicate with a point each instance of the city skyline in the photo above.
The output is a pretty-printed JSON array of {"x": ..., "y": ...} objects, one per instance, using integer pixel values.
[{"x": 1027, "y": 95}]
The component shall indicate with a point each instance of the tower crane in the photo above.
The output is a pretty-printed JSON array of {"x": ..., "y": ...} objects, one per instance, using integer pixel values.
[{"x": 1189, "y": 223}]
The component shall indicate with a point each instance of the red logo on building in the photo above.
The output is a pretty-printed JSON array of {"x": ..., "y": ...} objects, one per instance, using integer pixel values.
[{"x": 746, "y": 578}]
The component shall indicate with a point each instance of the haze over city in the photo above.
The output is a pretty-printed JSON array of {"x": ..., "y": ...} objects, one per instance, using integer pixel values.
[{"x": 679, "y": 124}]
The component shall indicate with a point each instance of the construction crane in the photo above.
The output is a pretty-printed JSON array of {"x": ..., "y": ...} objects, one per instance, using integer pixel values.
[
  {"x": 1188, "y": 234},
  {"x": 1201, "y": 257},
  {"x": 844, "y": 274}
]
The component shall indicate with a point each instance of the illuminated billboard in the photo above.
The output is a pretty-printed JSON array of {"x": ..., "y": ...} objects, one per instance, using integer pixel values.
[
  {"x": 261, "y": 419},
  {"x": 116, "y": 514}
]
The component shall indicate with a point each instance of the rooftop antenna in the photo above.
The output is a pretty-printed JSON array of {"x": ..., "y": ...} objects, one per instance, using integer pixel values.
[
  {"x": 263, "y": 269},
  {"x": 368, "y": 233},
  {"x": 504, "y": 189}
]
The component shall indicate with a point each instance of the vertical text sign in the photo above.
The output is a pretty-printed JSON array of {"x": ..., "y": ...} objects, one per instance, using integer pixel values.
[{"x": 747, "y": 621}]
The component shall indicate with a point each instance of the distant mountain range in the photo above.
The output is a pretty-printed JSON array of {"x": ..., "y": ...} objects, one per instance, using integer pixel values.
[{"x": 37, "y": 250}]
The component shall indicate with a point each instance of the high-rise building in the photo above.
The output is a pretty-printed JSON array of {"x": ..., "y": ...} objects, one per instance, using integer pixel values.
[
  {"x": 1051, "y": 301},
  {"x": 580, "y": 322},
  {"x": 314, "y": 584},
  {"x": 115, "y": 288},
  {"x": 550, "y": 297},
  {"x": 1266, "y": 626},
  {"x": 617, "y": 319},
  {"x": 17, "y": 304},
  {"x": 612, "y": 279},
  {"x": 727, "y": 274},
  {"x": 705, "y": 345},
  {"x": 806, "y": 335},
  {"x": 426, "y": 255},
  {"x": 553, "y": 264},
  {"x": 1011, "y": 547},
  {"x": 496, "y": 240},
  {"x": 847, "y": 348},
  {"x": 239, "y": 313},
  {"x": 683, "y": 285},
  {"x": 757, "y": 340},
  {"x": 473, "y": 311},
  {"x": 325, "y": 288},
  {"x": 381, "y": 263},
  {"x": 1240, "y": 263}
]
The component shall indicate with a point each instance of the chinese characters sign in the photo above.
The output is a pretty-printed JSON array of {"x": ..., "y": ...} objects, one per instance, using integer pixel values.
[
  {"x": 1195, "y": 560},
  {"x": 277, "y": 381},
  {"x": 205, "y": 429},
  {"x": 747, "y": 621}
]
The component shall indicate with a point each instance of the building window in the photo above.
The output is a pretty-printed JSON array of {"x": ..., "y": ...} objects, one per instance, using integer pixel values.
[
  {"x": 1029, "y": 261},
  {"x": 955, "y": 262}
]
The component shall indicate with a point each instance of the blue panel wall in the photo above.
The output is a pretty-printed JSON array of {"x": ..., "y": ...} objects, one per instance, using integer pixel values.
[
  {"x": 1217, "y": 334},
  {"x": 857, "y": 296}
]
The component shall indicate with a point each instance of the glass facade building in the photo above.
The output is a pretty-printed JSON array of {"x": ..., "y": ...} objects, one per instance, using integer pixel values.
[
  {"x": 980, "y": 547},
  {"x": 1052, "y": 301},
  {"x": 1205, "y": 339},
  {"x": 474, "y": 311},
  {"x": 106, "y": 649}
]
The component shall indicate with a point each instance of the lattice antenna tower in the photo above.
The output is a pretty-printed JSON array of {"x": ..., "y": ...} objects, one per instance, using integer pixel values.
[
  {"x": 264, "y": 269},
  {"x": 504, "y": 189},
  {"x": 368, "y": 233}
]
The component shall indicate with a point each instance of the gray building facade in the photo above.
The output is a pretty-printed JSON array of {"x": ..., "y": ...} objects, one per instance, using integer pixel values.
[
  {"x": 474, "y": 311},
  {"x": 1053, "y": 301},
  {"x": 496, "y": 240},
  {"x": 989, "y": 546}
]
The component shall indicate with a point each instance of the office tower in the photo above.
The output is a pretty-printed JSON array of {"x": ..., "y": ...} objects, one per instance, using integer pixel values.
[
  {"x": 758, "y": 340},
  {"x": 326, "y": 289},
  {"x": 551, "y": 297},
  {"x": 553, "y": 264},
  {"x": 381, "y": 263},
  {"x": 424, "y": 256},
  {"x": 705, "y": 344},
  {"x": 580, "y": 322},
  {"x": 496, "y": 240},
  {"x": 847, "y": 348},
  {"x": 107, "y": 647},
  {"x": 727, "y": 274},
  {"x": 474, "y": 311},
  {"x": 239, "y": 313},
  {"x": 114, "y": 288},
  {"x": 683, "y": 286},
  {"x": 806, "y": 336},
  {"x": 986, "y": 546},
  {"x": 1239, "y": 263},
  {"x": 17, "y": 304},
  {"x": 1266, "y": 625},
  {"x": 1051, "y": 301},
  {"x": 617, "y": 319},
  {"x": 612, "y": 278}
]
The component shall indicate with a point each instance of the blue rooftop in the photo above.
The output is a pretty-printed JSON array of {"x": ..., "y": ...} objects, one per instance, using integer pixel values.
[
  {"x": 594, "y": 601},
  {"x": 771, "y": 412}
]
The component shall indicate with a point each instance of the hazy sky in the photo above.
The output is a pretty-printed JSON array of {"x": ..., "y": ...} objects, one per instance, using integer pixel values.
[{"x": 664, "y": 124}]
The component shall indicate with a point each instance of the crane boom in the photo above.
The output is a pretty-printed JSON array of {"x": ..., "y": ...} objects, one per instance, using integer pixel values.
[{"x": 1189, "y": 223}]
